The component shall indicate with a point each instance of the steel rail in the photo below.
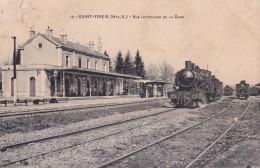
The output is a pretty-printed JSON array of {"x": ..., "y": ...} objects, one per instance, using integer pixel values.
[
  {"x": 80, "y": 131},
  {"x": 81, "y": 143},
  {"x": 213, "y": 143},
  {"x": 160, "y": 140},
  {"x": 12, "y": 114}
]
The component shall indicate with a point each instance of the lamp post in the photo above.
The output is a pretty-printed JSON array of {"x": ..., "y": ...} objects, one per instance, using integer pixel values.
[
  {"x": 55, "y": 74},
  {"x": 14, "y": 68}
]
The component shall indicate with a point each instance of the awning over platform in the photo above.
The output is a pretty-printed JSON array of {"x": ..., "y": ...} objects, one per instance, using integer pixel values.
[
  {"x": 153, "y": 82},
  {"x": 90, "y": 71},
  {"x": 69, "y": 69}
]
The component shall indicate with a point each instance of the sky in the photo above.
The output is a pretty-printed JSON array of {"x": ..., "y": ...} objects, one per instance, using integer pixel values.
[{"x": 222, "y": 35}]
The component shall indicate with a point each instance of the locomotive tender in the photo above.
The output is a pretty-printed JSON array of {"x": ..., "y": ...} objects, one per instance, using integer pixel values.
[
  {"x": 242, "y": 89},
  {"x": 194, "y": 85}
]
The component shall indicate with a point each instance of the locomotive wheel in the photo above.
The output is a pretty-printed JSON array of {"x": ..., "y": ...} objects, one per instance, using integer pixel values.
[
  {"x": 203, "y": 100},
  {"x": 189, "y": 103},
  {"x": 194, "y": 104}
]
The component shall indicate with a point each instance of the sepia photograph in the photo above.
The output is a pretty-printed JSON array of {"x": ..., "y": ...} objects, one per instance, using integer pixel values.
[{"x": 130, "y": 83}]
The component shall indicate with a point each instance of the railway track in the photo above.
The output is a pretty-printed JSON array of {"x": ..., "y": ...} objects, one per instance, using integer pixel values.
[
  {"x": 81, "y": 131},
  {"x": 2, "y": 149},
  {"x": 213, "y": 143},
  {"x": 53, "y": 110},
  {"x": 94, "y": 139},
  {"x": 114, "y": 161}
]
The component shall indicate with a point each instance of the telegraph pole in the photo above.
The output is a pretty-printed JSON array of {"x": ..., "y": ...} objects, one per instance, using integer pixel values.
[{"x": 14, "y": 66}]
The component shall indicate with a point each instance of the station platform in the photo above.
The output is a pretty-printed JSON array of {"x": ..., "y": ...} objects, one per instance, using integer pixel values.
[{"x": 78, "y": 102}]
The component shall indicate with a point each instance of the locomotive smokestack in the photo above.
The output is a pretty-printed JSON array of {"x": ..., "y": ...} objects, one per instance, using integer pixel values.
[
  {"x": 188, "y": 65},
  {"x": 196, "y": 68},
  {"x": 192, "y": 66}
]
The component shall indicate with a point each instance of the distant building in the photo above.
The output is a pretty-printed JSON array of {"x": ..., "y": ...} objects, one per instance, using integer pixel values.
[
  {"x": 228, "y": 91},
  {"x": 50, "y": 66},
  {"x": 257, "y": 85},
  {"x": 255, "y": 90}
]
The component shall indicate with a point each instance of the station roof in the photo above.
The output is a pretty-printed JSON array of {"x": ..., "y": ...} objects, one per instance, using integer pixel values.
[
  {"x": 68, "y": 45},
  {"x": 228, "y": 87},
  {"x": 69, "y": 69},
  {"x": 153, "y": 81},
  {"x": 257, "y": 85},
  {"x": 91, "y": 71}
]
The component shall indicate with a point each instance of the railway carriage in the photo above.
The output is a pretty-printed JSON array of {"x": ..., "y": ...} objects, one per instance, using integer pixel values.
[
  {"x": 194, "y": 85},
  {"x": 228, "y": 91}
]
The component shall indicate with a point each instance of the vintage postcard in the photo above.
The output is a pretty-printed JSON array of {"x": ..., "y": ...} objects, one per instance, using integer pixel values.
[{"x": 131, "y": 83}]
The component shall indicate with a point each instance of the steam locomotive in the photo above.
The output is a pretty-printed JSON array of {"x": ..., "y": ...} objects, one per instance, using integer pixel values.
[
  {"x": 194, "y": 85},
  {"x": 242, "y": 89}
]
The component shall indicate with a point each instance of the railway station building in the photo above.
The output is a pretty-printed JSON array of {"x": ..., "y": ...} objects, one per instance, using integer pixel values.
[
  {"x": 152, "y": 88},
  {"x": 50, "y": 66},
  {"x": 255, "y": 90}
]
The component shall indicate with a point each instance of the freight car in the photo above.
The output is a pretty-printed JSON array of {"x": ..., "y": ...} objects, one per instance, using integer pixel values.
[
  {"x": 228, "y": 91},
  {"x": 194, "y": 85},
  {"x": 242, "y": 90},
  {"x": 253, "y": 91}
]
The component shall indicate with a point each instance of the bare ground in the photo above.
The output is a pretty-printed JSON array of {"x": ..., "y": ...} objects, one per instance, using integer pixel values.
[
  {"x": 239, "y": 148},
  {"x": 29, "y": 123}
]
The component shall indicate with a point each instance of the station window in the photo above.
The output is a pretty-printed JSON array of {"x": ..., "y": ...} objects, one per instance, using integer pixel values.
[
  {"x": 67, "y": 60},
  {"x": 87, "y": 64},
  {"x": 40, "y": 45},
  {"x": 79, "y": 62},
  {"x": 95, "y": 65},
  {"x": 104, "y": 66}
]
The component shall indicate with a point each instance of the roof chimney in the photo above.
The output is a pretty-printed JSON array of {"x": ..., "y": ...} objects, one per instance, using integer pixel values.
[
  {"x": 99, "y": 45},
  {"x": 196, "y": 68},
  {"x": 63, "y": 38},
  {"x": 91, "y": 45},
  {"x": 32, "y": 32},
  {"x": 49, "y": 32}
]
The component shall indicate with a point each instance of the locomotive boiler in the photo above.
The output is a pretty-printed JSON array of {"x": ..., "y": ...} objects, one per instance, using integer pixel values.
[{"x": 194, "y": 85}]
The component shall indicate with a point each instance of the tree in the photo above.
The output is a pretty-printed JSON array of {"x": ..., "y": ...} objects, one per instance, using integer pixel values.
[
  {"x": 139, "y": 65},
  {"x": 167, "y": 74},
  {"x": 119, "y": 63},
  {"x": 128, "y": 64},
  {"x": 110, "y": 62},
  {"x": 152, "y": 72}
]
